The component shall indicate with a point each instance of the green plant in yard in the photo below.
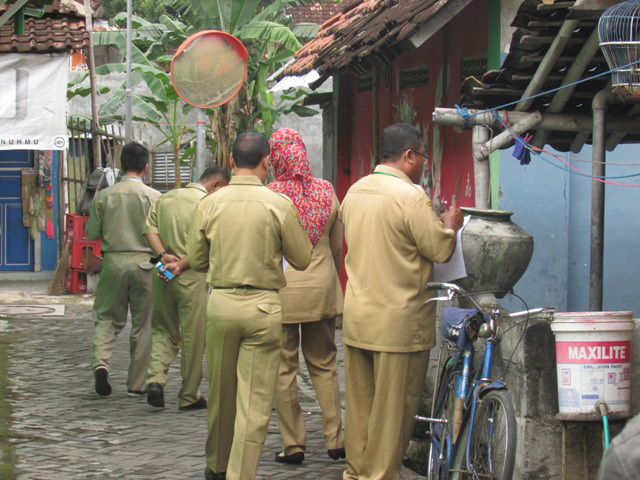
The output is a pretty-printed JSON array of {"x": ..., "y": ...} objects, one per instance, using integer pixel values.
[
  {"x": 265, "y": 29},
  {"x": 158, "y": 104}
]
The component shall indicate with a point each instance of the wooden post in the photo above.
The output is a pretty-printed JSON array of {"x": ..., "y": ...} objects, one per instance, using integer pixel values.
[{"x": 95, "y": 120}]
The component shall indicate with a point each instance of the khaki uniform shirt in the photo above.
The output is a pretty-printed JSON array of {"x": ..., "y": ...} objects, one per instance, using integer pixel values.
[
  {"x": 171, "y": 214},
  {"x": 393, "y": 236},
  {"x": 240, "y": 233},
  {"x": 118, "y": 214},
  {"x": 315, "y": 294}
]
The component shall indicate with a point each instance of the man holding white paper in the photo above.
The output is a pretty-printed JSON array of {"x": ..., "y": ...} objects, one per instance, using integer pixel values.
[{"x": 394, "y": 237}]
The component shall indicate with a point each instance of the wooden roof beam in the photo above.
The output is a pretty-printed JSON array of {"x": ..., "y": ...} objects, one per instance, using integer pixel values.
[
  {"x": 574, "y": 73},
  {"x": 555, "y": 50}
]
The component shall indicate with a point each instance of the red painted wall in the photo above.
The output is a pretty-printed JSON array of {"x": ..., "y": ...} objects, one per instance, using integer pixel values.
[{"x": 463, "y": 36}]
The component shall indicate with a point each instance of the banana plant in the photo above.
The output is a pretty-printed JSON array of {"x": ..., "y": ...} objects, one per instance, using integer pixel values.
[
  {"x": 264, "y": 28},
  {"x": 153, "y": 98}
]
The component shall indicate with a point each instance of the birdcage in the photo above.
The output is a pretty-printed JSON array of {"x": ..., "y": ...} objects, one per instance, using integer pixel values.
[{"x": 619, "y": 32}]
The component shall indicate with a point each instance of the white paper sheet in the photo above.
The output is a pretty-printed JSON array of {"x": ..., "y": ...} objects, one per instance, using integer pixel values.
[{"x": 454, "y": 269}]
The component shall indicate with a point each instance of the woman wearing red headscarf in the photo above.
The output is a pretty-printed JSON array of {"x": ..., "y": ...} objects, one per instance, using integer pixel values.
[{"x": 311, "y": 301}]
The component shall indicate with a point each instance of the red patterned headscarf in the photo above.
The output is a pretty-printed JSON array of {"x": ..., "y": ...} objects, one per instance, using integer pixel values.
[{"x": 312, "y": 197}]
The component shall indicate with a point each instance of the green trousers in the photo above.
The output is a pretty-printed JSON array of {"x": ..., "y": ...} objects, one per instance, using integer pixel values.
[
  {"x": 319, "y": 349},
  {"x": 383, "y": 392},
  {"x": 243, "y": 355},
  {"x": 124, "y": 285},
  {"x": 179, "y": 322}
]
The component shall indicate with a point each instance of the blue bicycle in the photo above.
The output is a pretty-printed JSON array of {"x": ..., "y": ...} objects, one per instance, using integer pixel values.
[{"x": 473, "y": 423}]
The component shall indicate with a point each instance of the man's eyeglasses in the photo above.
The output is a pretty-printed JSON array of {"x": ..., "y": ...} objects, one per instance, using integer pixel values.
[{"x": 423, "y": 155}]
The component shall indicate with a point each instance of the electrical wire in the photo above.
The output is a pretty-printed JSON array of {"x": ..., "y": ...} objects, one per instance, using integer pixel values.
[
  {"x": 568, "y": 168},
  {"x": 464, "y": 112},
  {"x": 524, "y": 330}
]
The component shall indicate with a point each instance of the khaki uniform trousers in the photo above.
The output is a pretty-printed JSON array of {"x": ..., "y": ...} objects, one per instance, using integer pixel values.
[
  {"x": 125, "y": 284},
  {"x": 244, "y": 328},
  {"x": 319, "y": 350},
  {"x": 179, "y": 322},
  {"x": 383, "y": 392}
]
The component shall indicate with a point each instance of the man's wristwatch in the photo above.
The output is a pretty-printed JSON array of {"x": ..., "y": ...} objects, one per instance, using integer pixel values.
[{"x": 161, "y": 254}]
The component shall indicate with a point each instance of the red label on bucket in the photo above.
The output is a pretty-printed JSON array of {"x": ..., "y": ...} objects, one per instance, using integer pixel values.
[{"x": 593, "y": 352}]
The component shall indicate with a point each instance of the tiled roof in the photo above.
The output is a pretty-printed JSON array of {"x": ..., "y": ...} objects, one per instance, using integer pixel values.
[
  {"x": 46, "y": 34},
  {"x": 537, "y": 26},
  {"x": 317, "y": 12},
  {"x": 362, "y": 28}
]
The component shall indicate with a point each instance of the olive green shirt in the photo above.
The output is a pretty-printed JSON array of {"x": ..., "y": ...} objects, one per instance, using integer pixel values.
[
  {"x": 241, "y": 232},
  {"x": 118, "y": 214},
  {"x": 393, "y": 236},
  {"x": 171, "y": 214}
]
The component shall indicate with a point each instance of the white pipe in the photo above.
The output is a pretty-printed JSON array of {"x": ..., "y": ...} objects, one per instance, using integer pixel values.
[
  {"x": 481, "y": 168},
  {"x": 506, "y": 137},
  {"x": 550, "y": 121},
  {"x": 201, "y": 128}
]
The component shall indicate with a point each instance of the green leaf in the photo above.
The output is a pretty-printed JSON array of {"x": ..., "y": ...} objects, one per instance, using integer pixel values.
[
  {"x": 147, "y": 108},
  {"x": 270, "y": 32},
  {"x": 136, "y": 21},
  {"x": 136, "y": 55},
  {"x": 80, "y": 79},
  {"x": 305, "y": 30},
  {"x": 112, "y": 106},
  {"x": 303, "y": 111},
  {"x": 242, "y": 13}
]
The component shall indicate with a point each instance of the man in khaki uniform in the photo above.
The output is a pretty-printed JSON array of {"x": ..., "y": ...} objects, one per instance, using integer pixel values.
[
  {"x": 240, "y": 235},
  {"x": 117, "y": 216},
  {"x": 393, "y": 236},
  {"x": 179, "y": 306}
]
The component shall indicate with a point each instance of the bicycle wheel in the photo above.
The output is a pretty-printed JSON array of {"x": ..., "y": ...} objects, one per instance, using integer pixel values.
[
  {"x": 492, "y": 453},
  {"x": 440, "y": 450}
]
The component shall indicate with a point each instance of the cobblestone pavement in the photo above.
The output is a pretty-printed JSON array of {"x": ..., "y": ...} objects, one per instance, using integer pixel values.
[{"x": 61, "y": 430}]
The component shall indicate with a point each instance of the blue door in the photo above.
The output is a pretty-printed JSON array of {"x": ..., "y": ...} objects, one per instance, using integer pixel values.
[{"x": 16, "y": 246}]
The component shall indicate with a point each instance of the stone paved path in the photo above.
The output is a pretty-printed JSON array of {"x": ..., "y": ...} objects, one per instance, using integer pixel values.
[{"x": 62, "y": 430}]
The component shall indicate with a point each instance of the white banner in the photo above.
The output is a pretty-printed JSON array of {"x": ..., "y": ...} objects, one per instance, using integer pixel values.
[{"x": 33, "y": 98}]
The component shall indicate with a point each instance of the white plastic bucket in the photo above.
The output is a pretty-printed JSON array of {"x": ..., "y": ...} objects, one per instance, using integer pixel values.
[{"x": 593, "y": 354}]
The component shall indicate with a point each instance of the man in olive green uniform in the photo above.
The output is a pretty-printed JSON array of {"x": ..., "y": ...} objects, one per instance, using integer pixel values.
[
  {"x": 179, "y": 306},
  {"x": 393, "y": 237},
  {"x": 240, "y": 235},
  {"x": 117, "y": 216}
]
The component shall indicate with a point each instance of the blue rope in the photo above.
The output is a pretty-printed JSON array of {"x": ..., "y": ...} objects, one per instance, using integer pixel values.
[{"x": 467, "y": 116}]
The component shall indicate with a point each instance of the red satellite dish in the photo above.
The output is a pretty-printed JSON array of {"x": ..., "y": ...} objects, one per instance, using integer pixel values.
[{"x": 209, "y": 68}]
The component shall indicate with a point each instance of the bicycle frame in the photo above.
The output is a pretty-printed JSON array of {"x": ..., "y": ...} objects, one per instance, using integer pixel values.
[{"x": 470, "y": 387}]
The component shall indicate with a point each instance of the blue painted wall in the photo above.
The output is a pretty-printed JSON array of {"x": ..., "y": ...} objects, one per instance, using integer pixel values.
[{"x": 555, "y": 207}]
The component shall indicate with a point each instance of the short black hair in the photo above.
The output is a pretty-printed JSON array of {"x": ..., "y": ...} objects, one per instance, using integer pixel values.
[
  {"x": 215, "y": 171},
  {"x": 249, "y": 149},
  {"x": 398, "y": 138},
  {"x": 134, "y": 157}
]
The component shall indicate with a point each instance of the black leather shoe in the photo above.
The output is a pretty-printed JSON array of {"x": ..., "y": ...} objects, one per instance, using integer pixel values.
[
  {"x": 295, "y": 458},
  {"x": 209, "y": 475},
  {"x": 155, "y": 395},
  {"x": 199, "y": 405},
  {"x": 102, "y": 385},
  {"x": 336, "y": 453}
]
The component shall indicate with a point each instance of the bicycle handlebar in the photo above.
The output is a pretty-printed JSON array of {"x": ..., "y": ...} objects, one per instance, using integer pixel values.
[{"x": 454, "y": 290}]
